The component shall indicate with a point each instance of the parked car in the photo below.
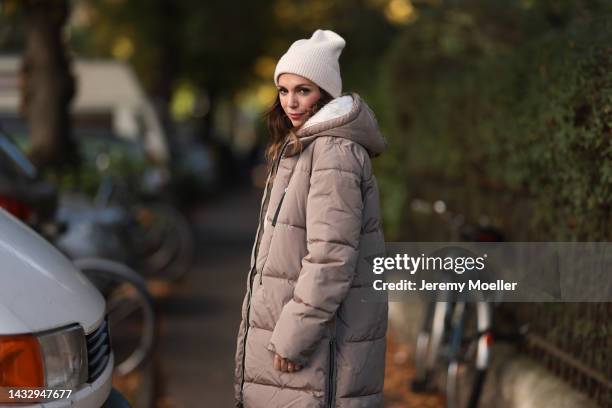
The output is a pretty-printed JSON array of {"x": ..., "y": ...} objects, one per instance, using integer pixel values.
[
  {"x": 53, "y": 330},
  {"x": 109, "y": 96}
]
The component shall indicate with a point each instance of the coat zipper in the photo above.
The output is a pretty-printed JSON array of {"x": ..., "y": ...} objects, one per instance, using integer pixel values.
[
  {"x": 331, "y": 383},
  {"x": 274, "y": 224},
  {"x": 278, "y": 208},
  {"x": 254, "y": 267}
]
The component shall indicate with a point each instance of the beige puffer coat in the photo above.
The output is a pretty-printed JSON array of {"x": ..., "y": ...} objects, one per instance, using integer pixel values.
[{"x": 319, "y": 221}]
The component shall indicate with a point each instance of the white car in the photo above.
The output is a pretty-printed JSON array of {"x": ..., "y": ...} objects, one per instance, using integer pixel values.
[{"x": 53, "y": 332}]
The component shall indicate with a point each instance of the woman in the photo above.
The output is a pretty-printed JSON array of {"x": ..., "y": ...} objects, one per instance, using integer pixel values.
[{"x": 307, "y": 339}]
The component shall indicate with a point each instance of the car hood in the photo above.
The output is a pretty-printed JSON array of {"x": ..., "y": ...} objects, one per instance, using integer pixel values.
[{"x": 40, "y": 289}]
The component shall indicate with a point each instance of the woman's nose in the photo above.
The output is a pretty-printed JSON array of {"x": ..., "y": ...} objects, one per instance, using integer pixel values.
[{"x": 293, "y": 100}]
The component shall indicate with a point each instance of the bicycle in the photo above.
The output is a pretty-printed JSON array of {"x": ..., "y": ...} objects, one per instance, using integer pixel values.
[
  {"x": 455, "y": 339},
  {"x": 160, "y": 236},
  {"x": 456, "y": 334}
]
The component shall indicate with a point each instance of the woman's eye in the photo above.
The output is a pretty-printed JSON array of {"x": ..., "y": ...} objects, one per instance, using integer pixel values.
[
  {"x": 304, "y": 91},
  {"x": 282, "y": 91}
]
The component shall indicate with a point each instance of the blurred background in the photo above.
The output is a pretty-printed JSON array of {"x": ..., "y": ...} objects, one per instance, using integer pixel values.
[{"x": 498, "y": 116}]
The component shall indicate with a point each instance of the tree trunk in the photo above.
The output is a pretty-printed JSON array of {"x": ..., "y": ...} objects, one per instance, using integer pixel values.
[
  {"x": 168, "y": 59},
  {"x": 48, "y": 84}
]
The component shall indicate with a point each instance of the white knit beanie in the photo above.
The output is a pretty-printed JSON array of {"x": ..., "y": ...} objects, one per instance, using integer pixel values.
[{"x": 315, "y": 59}]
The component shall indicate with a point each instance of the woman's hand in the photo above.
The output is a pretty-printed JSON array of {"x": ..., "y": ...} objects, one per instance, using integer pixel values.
[{"x": 284, "y": 365}]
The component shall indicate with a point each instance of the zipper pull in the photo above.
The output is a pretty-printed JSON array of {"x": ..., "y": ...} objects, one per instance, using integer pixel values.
[{"x": 280, "y": 203}]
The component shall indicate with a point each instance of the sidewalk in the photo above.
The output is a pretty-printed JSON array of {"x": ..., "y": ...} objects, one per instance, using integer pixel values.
[
  {"x": 399, "y": 371},
  {"x": 200, "y": 316}
]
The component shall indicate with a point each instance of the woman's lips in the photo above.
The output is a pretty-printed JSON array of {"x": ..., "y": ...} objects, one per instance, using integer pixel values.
[{"x": 295, "y": 116}]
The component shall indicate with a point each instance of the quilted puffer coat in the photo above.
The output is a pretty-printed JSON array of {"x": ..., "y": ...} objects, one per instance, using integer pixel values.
[{"x": 319, "y": 222}]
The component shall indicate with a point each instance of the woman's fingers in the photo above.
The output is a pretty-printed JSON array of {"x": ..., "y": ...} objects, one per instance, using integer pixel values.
[
  {"x": 284, "y": 365},
  {"x": 280, "y": 363}
]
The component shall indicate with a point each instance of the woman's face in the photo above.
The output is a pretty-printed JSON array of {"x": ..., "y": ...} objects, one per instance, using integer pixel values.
[{"x": 297, "y": 96}]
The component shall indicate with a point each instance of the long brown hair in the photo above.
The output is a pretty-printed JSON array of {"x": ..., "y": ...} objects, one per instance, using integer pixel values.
[{"x": 280, "y": 126}]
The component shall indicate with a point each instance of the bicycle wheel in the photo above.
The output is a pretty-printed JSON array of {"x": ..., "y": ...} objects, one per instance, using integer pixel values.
[
  {"x": 469, "y": 352},
  {"x": 130, "y": 311},
  {"x": 168, "y": 247},
  {"x": 428, "y": 344}
]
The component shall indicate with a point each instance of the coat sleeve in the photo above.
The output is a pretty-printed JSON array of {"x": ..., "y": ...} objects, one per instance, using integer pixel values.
[{"x": 333, "y": 224}]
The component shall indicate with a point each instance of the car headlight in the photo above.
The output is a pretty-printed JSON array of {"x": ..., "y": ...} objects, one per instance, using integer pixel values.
[
  {"x": 65, "y": 356},
  {"x": 54, "y": 360}
]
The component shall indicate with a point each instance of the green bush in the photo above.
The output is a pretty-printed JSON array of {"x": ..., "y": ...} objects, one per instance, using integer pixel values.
[
  {"x": 508, "y": 117},
  {"x": 521, "y": 133}
]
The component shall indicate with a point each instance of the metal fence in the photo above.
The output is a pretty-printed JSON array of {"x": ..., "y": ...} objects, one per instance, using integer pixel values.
[{"x": 573, "y": 340}]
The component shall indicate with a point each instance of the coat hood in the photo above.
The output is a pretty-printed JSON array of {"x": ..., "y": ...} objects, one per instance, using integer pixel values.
[{"x": 347, "y": 117}]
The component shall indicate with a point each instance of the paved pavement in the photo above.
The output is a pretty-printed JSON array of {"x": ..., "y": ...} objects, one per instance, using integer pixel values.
[{"x": 200, "y": 316}]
